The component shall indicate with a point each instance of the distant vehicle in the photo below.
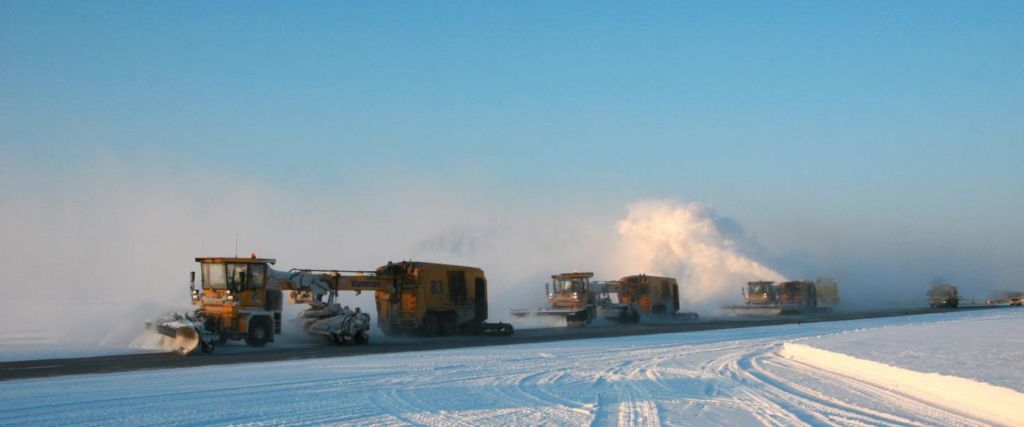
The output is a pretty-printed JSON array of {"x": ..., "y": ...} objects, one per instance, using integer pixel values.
[
  {"x": 793, "y": 297},
  {"x": 943, "y": 295},
  {"x": 827, "y": 292},
  {"x": 1015, "y": 298},
  {"x": 581, "y": 300},
  {"x": 797, "y": 296},
  {"x": 761, "y": 293},
  {"x": 651, "y": 296}
]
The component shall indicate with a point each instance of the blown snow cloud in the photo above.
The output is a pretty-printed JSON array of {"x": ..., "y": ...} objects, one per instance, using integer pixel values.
[{"x": 711, "y": 255}]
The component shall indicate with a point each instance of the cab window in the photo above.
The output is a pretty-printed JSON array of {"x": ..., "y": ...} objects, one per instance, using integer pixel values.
[
  {"x": 213, "y": 277},
  {"x": 237, "y": 276},
  {"x": 256, "y": 274}
]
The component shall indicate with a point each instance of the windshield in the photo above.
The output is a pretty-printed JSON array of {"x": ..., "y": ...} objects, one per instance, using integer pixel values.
[
  {"x": 758, "y": 288},
  {"x": 214, "y": 277},
  {"x": 234, "y": 276},
  {"x": 942, "y": 291},
  {"x": 570, "y": 285}
]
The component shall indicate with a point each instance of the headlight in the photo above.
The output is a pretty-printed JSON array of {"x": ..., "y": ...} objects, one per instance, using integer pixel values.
[
  {"x": 231, "y": 297},
  {"x": 575, "y": 295}
]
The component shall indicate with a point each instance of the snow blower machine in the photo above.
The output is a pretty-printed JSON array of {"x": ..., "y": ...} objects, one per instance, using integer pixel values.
[
  {"x": 792, "y": 297},
  {"x": 580, "y": 300},
  {"x": 241, "y": 299}
]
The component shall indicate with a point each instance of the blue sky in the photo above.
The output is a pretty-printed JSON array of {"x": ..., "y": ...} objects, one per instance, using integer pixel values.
[{"x": 847, "y": 119}]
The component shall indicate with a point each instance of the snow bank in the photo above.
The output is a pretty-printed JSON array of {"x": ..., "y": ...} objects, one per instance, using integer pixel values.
[
  {"x": 974, "y": 398},
  {"x": 986, "y": 347}
]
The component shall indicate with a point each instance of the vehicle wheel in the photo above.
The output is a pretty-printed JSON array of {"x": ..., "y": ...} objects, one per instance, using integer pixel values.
[
  {"x": 430, "y": 325},
  {"x": 361, "y": 338},
  {"x": 259, "y": 333},
  {"x": 634, "y": 317},
  {"x": 447, "y": 326},
  {"x": 206, "y": 347}
]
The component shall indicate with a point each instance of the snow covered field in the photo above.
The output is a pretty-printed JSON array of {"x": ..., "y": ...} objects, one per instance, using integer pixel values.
[
  {"x": 988, "y": 348},
  {"x": 737, "y": 376}
]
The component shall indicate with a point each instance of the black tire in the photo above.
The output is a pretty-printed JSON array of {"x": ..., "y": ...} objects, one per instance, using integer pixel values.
[
  {"x": 361, "y": 338},
  {"x": 446, "y": 326},
  {"x": 430, "y": 325},
  {"x": 206, "y": 347},
  {"x": 259, "y": 333}
]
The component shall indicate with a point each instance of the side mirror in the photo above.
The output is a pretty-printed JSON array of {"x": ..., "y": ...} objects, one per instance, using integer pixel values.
[{"x": 192, "y": 279}]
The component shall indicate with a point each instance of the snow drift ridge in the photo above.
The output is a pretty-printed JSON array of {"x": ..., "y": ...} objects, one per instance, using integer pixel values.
[{"x": 981, "y": 400}]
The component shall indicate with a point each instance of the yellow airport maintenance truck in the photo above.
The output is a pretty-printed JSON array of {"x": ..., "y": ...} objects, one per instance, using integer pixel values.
[{"x": 242, "y": 299}]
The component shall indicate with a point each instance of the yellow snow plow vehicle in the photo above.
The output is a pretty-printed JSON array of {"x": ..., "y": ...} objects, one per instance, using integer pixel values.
[
  {"x": 792, "y": 297},
  {"x": 242, "y": 299}
]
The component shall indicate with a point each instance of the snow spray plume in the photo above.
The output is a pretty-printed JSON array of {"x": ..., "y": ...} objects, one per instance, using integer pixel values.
[{"x": 710, "y": 255}]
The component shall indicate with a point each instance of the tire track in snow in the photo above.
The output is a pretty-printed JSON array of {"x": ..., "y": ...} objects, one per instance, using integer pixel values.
[
  {"x": 927, "y": 413},
  {"x": 733, "y": 377}
]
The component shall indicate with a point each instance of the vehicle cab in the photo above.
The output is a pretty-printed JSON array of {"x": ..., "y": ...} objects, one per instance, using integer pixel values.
[
  {"x": 570, "y": 290},
  {"x": 231, "y": 284},
  {"x": 760, "y": 292}
]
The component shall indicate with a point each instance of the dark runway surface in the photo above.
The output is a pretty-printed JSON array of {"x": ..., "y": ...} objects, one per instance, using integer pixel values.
[{"x": 237, "y": 354}]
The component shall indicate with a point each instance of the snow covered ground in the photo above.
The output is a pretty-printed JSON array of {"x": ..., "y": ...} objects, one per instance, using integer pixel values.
[
  {"x": 988, "y": 348},
  {"x": 737, "y": 376}
]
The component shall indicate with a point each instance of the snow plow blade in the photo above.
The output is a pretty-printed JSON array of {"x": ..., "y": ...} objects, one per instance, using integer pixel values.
[
  {"x": 186, "y": 340},
  {"x": 560, "y": 311},
  {"x": 185, "y": 331},
  {"x": 521, "y": 312},
  {"x": 754, "y": 310},
  {"x": 184, "y": 337}
]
